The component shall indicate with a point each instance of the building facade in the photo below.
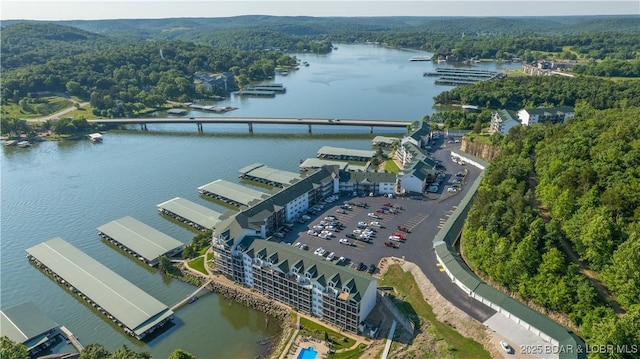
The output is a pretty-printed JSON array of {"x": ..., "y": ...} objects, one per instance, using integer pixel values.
[
  {"x": 503, "y": 120},
  {"x": 532, "y": 116}
]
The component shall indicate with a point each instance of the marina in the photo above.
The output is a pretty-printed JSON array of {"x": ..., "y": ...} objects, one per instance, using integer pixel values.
[
  {"x": 190, "y": 213},
  {"x": 457, "y": 76},
  {"x": 140, "y": 240},
  {"x": 27, "y": 324},
  {"x": 257, "y": 93},
  {"x": 128, "y": 306},
  {"x": 211, "y": 108}
]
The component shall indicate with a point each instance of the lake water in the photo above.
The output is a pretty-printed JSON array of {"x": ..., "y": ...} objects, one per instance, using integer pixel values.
[{"x": 68, "y": 189}]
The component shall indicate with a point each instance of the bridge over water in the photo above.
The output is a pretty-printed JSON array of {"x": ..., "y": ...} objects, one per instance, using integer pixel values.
[{"x": 250, "y": 121}]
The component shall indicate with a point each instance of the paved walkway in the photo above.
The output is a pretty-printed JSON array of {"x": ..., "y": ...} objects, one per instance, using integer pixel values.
[{"x": 387, "y": 346}]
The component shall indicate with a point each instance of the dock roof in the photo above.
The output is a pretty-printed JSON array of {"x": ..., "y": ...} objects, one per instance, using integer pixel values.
[
  {"x": 131, "y": 305},
  {"x": 317, "y": 163},
  {"x": 233, "y": 191},
  {"x": 192, "y": 211},
  {"x": 25, "y": 323},
  {"x": 258, "y": 170},
  {"x": 140, "y": 238},
  {"x": 346, "y": 152}
]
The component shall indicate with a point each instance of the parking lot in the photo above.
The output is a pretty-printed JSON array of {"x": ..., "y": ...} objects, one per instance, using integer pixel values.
[{"x": 423, "y": 218}]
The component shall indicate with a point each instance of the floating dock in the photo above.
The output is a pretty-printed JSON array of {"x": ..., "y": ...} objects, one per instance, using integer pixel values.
[
  {"x": 257, "y": 93},
  {"x": 190, "y": 213},
  {"x": 232, "y": 193},
  {"x": 128, "y": 306},
  {"x": 270, "y": 176},
  {"x": 455, "y": 76},
  {"x": 138, "y": 239},
  {"x": 420, "y": 58},
  {"x": 217, "y": 109}
]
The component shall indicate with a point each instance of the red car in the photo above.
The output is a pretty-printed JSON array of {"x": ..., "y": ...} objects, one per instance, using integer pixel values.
[
  {"x": 403, "y": 229},
  {"x": 401, "y": 236},
  {"x": 387, "y": 204},
  {"x": 379, "y": 211}
]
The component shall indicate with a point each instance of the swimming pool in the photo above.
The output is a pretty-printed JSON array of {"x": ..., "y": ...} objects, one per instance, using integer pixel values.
[{"x": 307, "y": 353}]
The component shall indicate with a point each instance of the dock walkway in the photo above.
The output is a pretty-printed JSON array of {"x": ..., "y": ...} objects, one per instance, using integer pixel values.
[
  {"x": 72, "y": 339},
  {"x": 185, "y": 300}
]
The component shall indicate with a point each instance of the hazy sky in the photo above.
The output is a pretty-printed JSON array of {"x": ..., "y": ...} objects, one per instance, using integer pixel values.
[{"x": 118, "y": 9}]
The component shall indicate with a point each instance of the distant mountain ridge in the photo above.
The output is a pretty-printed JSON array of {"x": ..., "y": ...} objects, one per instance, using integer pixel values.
[{"x": 182, "y": 28}]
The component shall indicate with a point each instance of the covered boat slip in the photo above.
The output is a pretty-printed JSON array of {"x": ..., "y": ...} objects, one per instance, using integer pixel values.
[
  {"x": 191, "y": 213},
  {"x": 232, "y": 193},
  {"x": 146, "y": 243},
  {"x": 267, "y": 175},
  {"x": 26, "y": 323},
  {"x": 120, "y": 300}
]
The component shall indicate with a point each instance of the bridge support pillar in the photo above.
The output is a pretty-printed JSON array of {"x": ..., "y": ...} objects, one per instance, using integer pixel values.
[
  {"x": 309, "y": 128},
  {"x": 250, "y": 127},
  {"x": 200, "y": 127},
  {"x": 371, "y": 129},
  {"x": 143, "y": 126}
]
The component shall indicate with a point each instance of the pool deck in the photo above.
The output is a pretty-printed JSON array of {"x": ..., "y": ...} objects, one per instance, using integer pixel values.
[{"x": 302, "y": 342}]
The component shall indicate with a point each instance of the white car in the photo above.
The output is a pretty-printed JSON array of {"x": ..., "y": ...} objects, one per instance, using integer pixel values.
[
  {"x": 506, "y": 347},
  {"x": 452, "y": 190},
  {"x": 344, "y": 241},
  {"x": 394, "y": 238},
  {"x": 330, "y": 256},
  {"x": 375, "y": 224},
  {"x": 373, "y": 215},
  {"x": 319, "y": 251}
]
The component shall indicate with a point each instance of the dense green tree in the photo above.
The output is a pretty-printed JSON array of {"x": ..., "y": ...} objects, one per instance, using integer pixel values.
[
  {"x": 12, "y": 350},
  {"x": 94, "y": 351},
  {"x": 181, "y": 354}
]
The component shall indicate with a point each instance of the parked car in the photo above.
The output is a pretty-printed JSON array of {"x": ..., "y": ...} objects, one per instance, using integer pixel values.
[
  {"x": 452, "y": 190},
  {"x": 372, "y": 268},
  {"x": 373, "y": 215},
  {"x": 460, "y": 174},
  {"x": 319, "y": 251},
  {"x": 390, "y": 244},
  {"x": 331, "y": 256},
  {"x": 506, "y": 347},
  {"x": 361, "y": 266},
  {"x": 432, "y": 189},
  {"x": 394, "y": 238},
  {"x": 345, "y": 242},
  {"x": 381, "y": 211},
  {"x": 399, "y": 235},
  {"x": 351, "y": 235},
  {"x": 403, "y": 229}
]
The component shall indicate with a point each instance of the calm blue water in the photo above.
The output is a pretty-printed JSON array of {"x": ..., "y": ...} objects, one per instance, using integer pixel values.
[{"x": 68, "y": 189}]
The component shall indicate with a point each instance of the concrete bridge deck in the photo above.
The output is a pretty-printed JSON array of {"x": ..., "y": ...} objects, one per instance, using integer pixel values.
[{"x": 250, "y": 121}]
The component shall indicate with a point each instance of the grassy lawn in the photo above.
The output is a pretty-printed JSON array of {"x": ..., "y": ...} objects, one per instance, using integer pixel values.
[
  {"x": 485, "y": 139},
  {"x": 349, "y": 354},
  {"x": 36, "y": 107},
  {"x": 391, "y": 166},
  {"x": 417, "y": 309},
  {"x": 317, "y": 331},
  {"x": 83, "y": 112},
  {"x": 198, "y": 264}
]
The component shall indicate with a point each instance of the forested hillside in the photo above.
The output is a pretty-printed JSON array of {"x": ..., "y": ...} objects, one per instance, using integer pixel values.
[
  {"x": 556, "y": 190},
  {"x": 515, "y": 93}
]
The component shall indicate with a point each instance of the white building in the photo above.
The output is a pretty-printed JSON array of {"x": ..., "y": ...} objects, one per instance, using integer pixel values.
[
  {"x": 503, "y": 120},
  {"x": 544, "y": 114}
]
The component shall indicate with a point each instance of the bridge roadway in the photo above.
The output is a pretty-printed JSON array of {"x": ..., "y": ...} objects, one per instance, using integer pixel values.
[{"x": 250, "y": 121}]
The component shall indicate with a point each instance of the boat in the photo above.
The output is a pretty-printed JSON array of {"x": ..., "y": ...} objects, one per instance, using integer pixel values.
[
  {"x": 193, "y": 299},
  {"x": 95, "y": 137},
  {"x": 11, "y": 143},
  {"x": 24, "y": 144},
  {"x": 284, "y": 73},
  {"x": 420, "y": 58}
]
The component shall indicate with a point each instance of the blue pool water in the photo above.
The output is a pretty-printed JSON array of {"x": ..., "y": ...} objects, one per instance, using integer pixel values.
[{"x": 308, "y": 353}]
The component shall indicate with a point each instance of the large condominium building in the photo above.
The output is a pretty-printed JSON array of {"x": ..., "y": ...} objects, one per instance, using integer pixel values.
[
  {"x": 307, "y": 283},
  {"x": 541, "y": 115},
  {"x": 503, "y": 120}
]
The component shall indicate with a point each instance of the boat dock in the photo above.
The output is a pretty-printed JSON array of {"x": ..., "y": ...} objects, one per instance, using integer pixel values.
[
  {"x": 190, "y": 213},
  {"x": 217, "y": 109},
  {"x": 232, "y": 193},
  {"x": 126, "y": 305},
  {"x": 455, "y": 76},
  {"x": 72, "y": 339},
  {"x": 257, "y": 93},
  {"x": 420, "y": 58}
]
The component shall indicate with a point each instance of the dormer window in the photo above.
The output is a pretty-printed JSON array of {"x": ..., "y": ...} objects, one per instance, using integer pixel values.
[{"x": 345, "y": 290}]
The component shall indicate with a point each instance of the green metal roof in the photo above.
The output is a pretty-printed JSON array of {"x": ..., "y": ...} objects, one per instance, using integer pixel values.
[
  {"x": 24, "y": 322},
  {"x": 233, "y": 191},
  {"x": 192, "y": 211},
  {"x": 339, "y": 151},
  {"x": 129, "y": 304},
  {"x": 368, "y": 177},
  {"x": 319, "y": 162},
  {"x": 321, "y": 270},
  {"x": 140, "y": 238},
  {"x": 550, "y": 110},
  {"x": 385, "y": 140},
  {"x": 259, "y": 170}
]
